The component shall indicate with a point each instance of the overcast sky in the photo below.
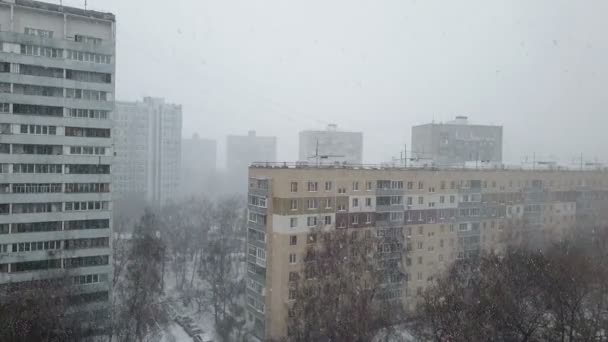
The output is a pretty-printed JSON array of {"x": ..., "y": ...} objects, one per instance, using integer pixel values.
[{"x": 539, "y": 68}]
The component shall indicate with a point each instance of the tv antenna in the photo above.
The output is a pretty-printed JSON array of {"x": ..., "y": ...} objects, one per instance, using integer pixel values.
[{"x": 318, "y": 156}]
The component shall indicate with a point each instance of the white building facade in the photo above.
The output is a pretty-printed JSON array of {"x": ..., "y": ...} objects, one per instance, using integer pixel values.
[
  {"x": 331, "y": 146},
  {"x": 148, "y": 150},
  {"x": 56, "y": 101}
]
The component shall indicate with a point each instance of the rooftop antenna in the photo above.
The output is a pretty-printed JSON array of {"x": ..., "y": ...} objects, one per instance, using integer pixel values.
[{"x": 318, "y": 156}]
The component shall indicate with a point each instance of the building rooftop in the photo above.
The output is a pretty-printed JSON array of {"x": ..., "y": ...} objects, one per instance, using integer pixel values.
[
  {"x": 458, "y": 121},
  {"x": 347, "y": 166},
  {"x": 45, "y": 6}
]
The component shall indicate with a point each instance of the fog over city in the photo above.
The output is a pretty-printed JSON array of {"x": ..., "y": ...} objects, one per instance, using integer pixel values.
[
  {"x": 303, "y": 171},
  {"x": 536, "y": 67}
]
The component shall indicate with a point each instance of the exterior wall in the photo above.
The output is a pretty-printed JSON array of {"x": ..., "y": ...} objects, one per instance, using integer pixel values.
[
  {"x": 455, "y": 144},
  {"x": 78, "y": 123},
  {"x": 242, "y": 151},
  {"x": 347, "y": 145},
  {"x": 198, "y": 165},
  {"x": 481, "y": 210},
  {"x": 148, "y": 150}
]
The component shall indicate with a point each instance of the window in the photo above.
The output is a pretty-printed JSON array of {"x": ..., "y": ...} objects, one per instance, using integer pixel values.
[
  {"x": 421, "y": 230},
  {"x": 293, "y": 222},
  {"x": 442, "y": 185},
  {"x": 292, "y": 258},
  {"x": 396, "y": 216},
  {"x": 327, "y": 186},
  {"x": 368, "y": 218},
  {"x": 311, "y": 221},
  {"x": 313, "y": 186},
  {"x": 312, "y": 203},
  {"x": 294, "y": 204},
  {"x": 410, "y": 185},
  {"x": 409, "y": 200},
  {"x": 432, "y": 189},
  {"x": 463, "y": 227},
  {"x": 87, "y": 39},
  {"x": 420, "y": 185},
  {"x": 368, "y": 202},
  {"x": 87, "y": 113},
  {"x": 420, "y": 200},
  {"x": 431, "y": 204},
  {"x": 397, "y": 185},
  {"x": 452, "y": 199},
  {"x": 327, "y": 220},
  {"x": 293, "y": 240},
  {"x": 355, "y": 186},
  {"x": 441, "y": 243},
  {"x": 311, "y": 238},
  {"x": 87, "y": 132},
  {"x": 441, "y": 199},
  {"x": 341, "y": 207},
  {"x": 355, "y": 202},
  {"x": 368, "y": 186},
  {"x": 354, "y": 219},
  {"x": 328, "y": 203},
  {"x": 88, "y": 57},
  {"x": 38, "y": 32},
  {"x": 294, "y": 187},
  {"x": 4, "y": 108}
]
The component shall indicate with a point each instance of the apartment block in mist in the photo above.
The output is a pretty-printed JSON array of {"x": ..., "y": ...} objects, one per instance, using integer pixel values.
[
  {"x": 199, "y": 166},
  {"x": 147, "y": 138},
  {"x": 421, "y": 219},
  {"x": 56, "y": 101},
  {"x": 241, "y": 151},
  {"x": 456, "y": 142},
  {"x": 330, "y": 146}
]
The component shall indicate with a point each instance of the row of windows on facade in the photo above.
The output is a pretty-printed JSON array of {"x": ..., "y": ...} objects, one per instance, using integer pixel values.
[
  {"x": 27, "y": 109},
  {"x": 34, "y": 208},
  {"x": 77, "y": 262},
  {"x": 52, "y": 149},
  {"x": 70, "y": 93},
  {"x": 7, "y": 128},
  {"x": 53, "y": 226},
  {"x": 34, "y": 246},
  {"x": 31, "y": 188},
  {"x": 68, "y": 74},
  {"x": 80, "y": 38},
  {"x": 55, "y": 168},
  {"x": 49, "y": 52},
  {"x": 313, "y": 186}
]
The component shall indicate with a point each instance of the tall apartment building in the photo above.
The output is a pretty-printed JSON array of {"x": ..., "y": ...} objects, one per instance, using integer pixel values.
[
  {"x": 441, "y": 216},
  {"x": 56, "y": 102},
  {"x": 147, "y": 141},
  {"x": 456, "y": 142},
  {"x": 242, "y": 150},
  {"x": 198, "y": 165},
  {"x": 331, "y": 146}
]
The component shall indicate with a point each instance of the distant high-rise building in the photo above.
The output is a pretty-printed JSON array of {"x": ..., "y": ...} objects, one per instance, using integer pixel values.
[
  {"x": 457, "y": 142},
  {"x": 242, "y": 150},
  {"x": 56, "y": 101},
  {"x": 148, "y": 150},
  {"x": 198, "y": 165},
  {"x": 331, "y": 145}
]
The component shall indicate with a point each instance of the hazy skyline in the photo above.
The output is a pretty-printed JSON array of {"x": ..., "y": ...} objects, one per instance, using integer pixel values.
[{"x": 538, "y": 68}]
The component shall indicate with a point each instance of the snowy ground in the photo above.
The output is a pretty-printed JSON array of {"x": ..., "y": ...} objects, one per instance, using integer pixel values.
[{"x": 175, "y": 333}]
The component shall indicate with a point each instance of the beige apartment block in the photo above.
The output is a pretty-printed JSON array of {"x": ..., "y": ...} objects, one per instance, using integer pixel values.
[{"x": 442, "y": 215}]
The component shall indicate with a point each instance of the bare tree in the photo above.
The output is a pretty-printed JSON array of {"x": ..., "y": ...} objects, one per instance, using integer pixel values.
[
  {"x": 344, "y": 291},
  {"x": 138, "y": 311},
  {"x": 40, "y": 310},
  {"x": 520, "y": 295}
]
